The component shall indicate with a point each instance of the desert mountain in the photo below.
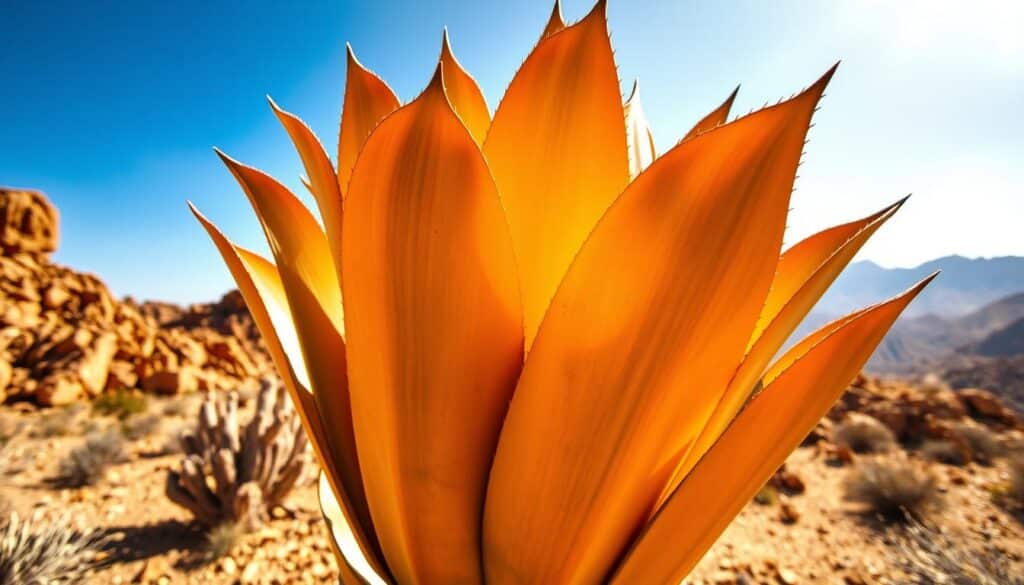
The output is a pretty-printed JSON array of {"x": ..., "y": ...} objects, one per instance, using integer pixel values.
[{"x": 966, "y": 285}]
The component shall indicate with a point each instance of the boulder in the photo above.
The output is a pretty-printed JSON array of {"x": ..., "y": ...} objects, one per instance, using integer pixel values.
[{"x": 28, "y": 222}]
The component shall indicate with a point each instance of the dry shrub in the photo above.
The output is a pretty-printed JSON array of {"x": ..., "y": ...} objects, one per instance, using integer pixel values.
[
  {"x": 88, "y": 463},
  {"x": 929, "y": 556},
  {"x": 58, "y": 422},
  {"x": 33, "y": 552},
  {"x": 984, "y": 444},
  {"x": 863, "y": 434},
  {"x": 946, "y": 452},
  {"x": 1015, "y": 487},
  {"x": 140, "y": 427},
  {"x": 892, "y": 487}
]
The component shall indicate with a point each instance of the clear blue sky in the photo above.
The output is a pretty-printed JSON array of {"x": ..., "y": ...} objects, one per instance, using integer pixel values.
[{"x": 112, "y": 108}]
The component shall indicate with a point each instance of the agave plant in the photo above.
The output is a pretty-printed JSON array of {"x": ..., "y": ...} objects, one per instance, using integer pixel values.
[{"x": 554, "y": 361}]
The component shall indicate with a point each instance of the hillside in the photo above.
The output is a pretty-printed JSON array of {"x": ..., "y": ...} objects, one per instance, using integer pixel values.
[
  {"x": 920, "y": 343},
  {"x": 1006, "y": 342}
]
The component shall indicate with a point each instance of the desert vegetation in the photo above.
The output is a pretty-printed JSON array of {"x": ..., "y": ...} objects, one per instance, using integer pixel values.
[
  {"x": 234, "y": 475},
  {"x": 893, "y": 487}
]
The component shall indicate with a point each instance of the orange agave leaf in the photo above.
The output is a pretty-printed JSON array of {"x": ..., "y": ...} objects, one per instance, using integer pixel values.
[
  {"x": 557, "y": 150},
  {"x": 716, "y": 117},
  {"x": 464, "y": 94},
  {"x": 742, "y": 460},
  {"x": 260, "y": 284},
  {"x": 555, "y": 21},
  {"x": 640, "y": 341},
  {"x": 804, "y": 273},
  {"x": 322, "y": 182},
  {"x": 638, "y": 134},
  {"x": 435, "y": 335},
  {"x": 367, "y": 100},
  {"x": 310, "y": 282}
]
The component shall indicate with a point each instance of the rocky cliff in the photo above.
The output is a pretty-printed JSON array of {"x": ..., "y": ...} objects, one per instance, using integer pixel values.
[{"x": 64, "y": 337}]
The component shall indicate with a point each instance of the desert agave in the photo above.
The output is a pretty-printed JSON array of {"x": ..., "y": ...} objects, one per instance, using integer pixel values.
[{"x": 554, "y": 359}]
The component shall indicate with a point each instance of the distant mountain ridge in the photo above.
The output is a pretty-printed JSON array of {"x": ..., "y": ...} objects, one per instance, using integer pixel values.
[
  {"x": 918, "y": 343},
  {"x": 965, "y": 285}
]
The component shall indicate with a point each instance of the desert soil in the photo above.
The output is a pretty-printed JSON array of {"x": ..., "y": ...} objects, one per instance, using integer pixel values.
[{"x": 812, "y": 537}]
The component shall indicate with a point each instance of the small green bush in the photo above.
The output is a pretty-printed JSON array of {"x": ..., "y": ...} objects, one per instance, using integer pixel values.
[
  {"x": 767, "y": 495},
  {"x": 120, "y": 403}
]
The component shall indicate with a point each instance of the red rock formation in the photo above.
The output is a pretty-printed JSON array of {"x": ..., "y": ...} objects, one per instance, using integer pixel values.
[{"x": 63, "y": 336}]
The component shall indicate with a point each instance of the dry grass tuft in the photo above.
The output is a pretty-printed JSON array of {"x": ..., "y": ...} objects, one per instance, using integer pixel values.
[
  {"x": 58, "y": 422},
  {"x": 946, "y": 452},
  {"x": 863, "y": 434},
  {"x": 984, "y": 444},
  {"x": 88, "y": 463},
  {"x": 893, "y": 487},
  {"x": 140, "y": 427},
  {"x": 929, "y": 556}
]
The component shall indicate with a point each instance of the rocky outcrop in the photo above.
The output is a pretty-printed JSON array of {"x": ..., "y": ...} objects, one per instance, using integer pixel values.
[
  {"x": 64, "y": 337},
  {"x": 929, "y": 410},
  {"x": 28, "y": 222}
]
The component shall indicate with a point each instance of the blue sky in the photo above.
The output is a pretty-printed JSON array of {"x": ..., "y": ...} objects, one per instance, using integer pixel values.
[{"x": 112, "y": 108}]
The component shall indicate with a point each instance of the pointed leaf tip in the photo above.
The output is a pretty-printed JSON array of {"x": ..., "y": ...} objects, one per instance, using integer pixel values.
[
  {"x": 555, "y": 21},
  {"x": 635, "y": 92},
  {"x": 463, "y": 93},
  {"x": 818, "y": 87}
]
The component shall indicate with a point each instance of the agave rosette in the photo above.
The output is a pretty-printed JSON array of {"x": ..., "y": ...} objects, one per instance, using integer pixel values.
[{"x": 555, "y": 358}]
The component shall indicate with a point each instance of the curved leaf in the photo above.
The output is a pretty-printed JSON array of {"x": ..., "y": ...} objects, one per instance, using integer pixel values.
[
  {"x": 367, "y": 101},
  {"x": 640, "y": 341},
  {"x": 464, "y": 94},
  {"x": 804, "y": 273},
  {"x": 742, "y": 460},
  {"x": 435, "y": 335},
  {"x": 557, "y": 151}
]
